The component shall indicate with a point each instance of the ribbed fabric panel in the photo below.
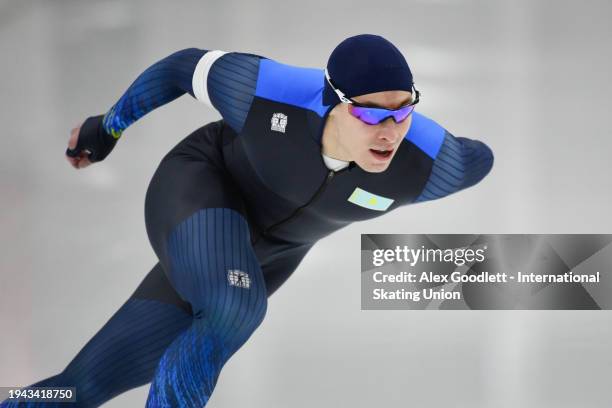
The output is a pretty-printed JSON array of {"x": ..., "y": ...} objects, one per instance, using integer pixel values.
[
  {"x": 124, "y": 354},
  {"x": 460, "y": 164},
  {"x": 231, "y": 86},
  {"x": 159, "y": 84},
  {"x": 205, "y": 250}
]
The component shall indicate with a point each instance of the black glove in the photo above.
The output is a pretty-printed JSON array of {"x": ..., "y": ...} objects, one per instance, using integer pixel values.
[{"x": 93, "y": 138}]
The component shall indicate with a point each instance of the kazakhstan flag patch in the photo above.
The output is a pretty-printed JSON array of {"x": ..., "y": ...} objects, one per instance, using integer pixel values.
[{"x": 368, "y": 200}]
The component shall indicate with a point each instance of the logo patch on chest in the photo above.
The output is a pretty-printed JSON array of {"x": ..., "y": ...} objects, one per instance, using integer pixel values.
[
  {"x": 369, "y": 200},
  {"x": 279, "y": 122}
]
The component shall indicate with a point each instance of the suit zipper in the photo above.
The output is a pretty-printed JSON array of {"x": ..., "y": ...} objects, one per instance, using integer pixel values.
[{"x": 316, "y": 195}]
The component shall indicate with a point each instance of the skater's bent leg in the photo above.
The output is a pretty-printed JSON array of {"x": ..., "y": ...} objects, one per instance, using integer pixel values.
[
  {"x": 126, "y": 350},
  {"x": 214, "y": 267},
  {"x": 196, "y": 222}
]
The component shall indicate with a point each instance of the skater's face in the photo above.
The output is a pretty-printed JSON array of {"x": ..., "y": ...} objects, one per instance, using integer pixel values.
[{"x": 351, "y": 139}]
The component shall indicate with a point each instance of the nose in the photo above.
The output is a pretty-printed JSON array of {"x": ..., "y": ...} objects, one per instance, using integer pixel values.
[{"x": 387, "y": 131}]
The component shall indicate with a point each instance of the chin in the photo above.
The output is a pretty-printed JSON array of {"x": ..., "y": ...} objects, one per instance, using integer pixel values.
[{"x": 374, "y": 168}]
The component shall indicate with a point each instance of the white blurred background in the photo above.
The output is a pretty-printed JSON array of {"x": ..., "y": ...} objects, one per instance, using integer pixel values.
[{"x": 528, "y": 77}]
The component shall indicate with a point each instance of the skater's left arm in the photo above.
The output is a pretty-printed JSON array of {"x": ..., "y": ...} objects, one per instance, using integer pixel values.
[
  {"x": 158, "y": 85},
  {"x": 184, "y": 72},
  {"x": 459, "y": 163},
  {"x": 162, "y": 82}
]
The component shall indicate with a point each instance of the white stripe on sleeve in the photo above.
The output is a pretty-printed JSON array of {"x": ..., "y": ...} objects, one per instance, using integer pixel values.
[{"x": 200, "y": 75}]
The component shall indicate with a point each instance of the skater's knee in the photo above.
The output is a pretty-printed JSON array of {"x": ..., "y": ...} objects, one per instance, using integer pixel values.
[{"x": 231, "y": 324}]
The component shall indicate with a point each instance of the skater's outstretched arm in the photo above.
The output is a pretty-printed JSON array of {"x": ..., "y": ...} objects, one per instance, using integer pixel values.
[
  {"x": 459, "y": 162},
  {"x": 224, "y": 80}
]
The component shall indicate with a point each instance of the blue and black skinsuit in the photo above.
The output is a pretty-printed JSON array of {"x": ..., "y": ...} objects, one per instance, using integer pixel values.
[{"x": 231, "y": 211}]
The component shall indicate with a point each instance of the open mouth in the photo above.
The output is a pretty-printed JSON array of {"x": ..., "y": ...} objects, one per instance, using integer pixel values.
[{"x": 381, "y": 154}]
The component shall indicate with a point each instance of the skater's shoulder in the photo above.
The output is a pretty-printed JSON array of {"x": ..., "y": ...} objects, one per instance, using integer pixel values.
[
  {"x": 426, "y": 134},
  {"x": 291, "y": 84}
]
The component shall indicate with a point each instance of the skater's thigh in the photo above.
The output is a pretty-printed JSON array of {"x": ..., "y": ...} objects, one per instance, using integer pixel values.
[
  {"x": 197, "y": 225},
  {"x": 191, "y": 177}
]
